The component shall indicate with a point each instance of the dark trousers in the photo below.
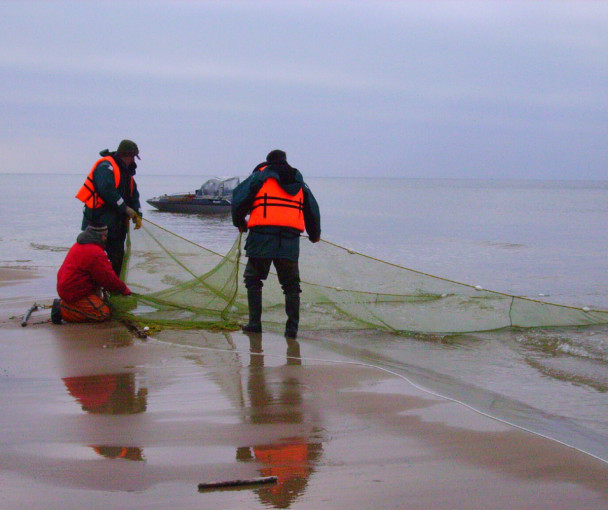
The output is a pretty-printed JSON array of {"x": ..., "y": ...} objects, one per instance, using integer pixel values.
[
  {"x": 115, "y": 248},
  {"x": 288, "y": 272}
]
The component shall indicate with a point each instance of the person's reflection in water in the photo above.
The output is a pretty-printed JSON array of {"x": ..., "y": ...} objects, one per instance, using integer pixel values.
[
  {"x": 110, "y": 394},
  {"x": 120, "y": 452},
  {"x": 290, "y": 459}
]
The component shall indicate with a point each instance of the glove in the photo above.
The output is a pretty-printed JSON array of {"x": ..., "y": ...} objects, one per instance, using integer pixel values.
[
  {"x": 137, "y": 220},
  {"x": 130, "y": 212}
]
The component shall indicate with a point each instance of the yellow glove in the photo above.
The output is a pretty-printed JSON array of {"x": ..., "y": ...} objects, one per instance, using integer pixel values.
[{"x": 137, "y": 220}]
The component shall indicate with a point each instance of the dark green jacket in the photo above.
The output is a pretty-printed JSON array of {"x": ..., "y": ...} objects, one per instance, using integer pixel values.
[
  {"x": 112, "y": 212},
  {"x": 269, "y": 241}
]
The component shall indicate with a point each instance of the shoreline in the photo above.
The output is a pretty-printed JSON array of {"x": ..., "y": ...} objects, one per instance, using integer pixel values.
[{"x": 95, "y": 417}]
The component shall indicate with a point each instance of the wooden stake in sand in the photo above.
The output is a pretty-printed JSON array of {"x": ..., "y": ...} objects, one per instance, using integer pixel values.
[
  {"x": 237, "y": 483},
  {"x": 27, "y": 314}
]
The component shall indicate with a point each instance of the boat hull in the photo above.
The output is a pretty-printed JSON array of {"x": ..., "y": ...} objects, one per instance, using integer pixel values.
[{"x": 190, "y": 206}]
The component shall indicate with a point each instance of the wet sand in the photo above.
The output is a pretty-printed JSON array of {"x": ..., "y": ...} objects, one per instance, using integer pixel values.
[{"x": 93, "y": 417}]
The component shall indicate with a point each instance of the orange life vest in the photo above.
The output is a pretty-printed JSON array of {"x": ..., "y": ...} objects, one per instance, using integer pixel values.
[
  {"x": 273, "y": 206},
  {"x": 88, "y": 194}
]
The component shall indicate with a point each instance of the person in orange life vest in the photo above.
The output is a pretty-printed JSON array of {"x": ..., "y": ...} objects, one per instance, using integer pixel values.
[
  {"x": 280, "y": 207},
  {"x": 111, "y": 197},
  {"x": 85, "y": 272}
]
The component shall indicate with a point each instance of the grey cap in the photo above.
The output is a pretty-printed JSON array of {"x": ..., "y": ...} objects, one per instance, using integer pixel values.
[{"x": 97, "y": 229}]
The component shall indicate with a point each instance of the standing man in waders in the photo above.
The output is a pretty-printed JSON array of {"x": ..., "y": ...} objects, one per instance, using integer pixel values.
[
  {"x": 280, "y": 207},
  {"x": 111, "y": 198}
]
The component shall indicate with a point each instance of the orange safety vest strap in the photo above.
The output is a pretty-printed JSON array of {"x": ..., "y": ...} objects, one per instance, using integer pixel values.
[
  {"x": 268, "y": 200},
  {"x": 87, "y": 192},
  {"x": 273, "y": 206}
]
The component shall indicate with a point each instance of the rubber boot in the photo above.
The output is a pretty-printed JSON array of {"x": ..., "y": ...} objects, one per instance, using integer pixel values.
[
  {"x": 292, "y": 309},
  {"x": 293, "y": 352},
  {"x": 254, "y": 299},
  {"x": 56, "y": 312}
]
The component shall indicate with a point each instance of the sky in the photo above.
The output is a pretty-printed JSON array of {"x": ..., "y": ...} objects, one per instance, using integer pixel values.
[{"x": 440, "y": 89}]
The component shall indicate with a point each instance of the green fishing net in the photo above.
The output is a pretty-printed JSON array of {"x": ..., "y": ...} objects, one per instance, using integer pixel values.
[{"x": 180, "y": 284}]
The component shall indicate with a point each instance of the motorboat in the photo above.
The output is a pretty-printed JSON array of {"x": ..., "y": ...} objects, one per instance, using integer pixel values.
[{"x": 214, "y": 196}]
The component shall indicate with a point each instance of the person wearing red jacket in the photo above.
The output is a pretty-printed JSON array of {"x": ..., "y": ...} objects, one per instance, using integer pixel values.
[{"x": 84, "y": 274}]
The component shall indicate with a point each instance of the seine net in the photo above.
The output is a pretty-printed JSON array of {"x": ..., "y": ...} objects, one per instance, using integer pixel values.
[{"x": 180, "y": 284}]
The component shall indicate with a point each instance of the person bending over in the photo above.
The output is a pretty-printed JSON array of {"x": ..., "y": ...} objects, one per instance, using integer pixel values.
[{"x": 85, "y": 273}]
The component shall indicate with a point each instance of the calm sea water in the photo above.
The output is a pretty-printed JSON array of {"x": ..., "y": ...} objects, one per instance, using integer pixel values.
[{"x": 547, "y": 240}]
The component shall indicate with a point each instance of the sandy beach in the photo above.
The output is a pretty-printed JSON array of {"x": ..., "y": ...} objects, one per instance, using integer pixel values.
[{"x": 94, "y": 417}]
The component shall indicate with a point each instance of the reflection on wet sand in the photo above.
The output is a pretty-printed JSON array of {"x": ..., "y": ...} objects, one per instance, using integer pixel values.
[
  {"x": 290, "y": 459},
  {"x": 120, "y": 452},
  {"x": 110, "y": 394}
]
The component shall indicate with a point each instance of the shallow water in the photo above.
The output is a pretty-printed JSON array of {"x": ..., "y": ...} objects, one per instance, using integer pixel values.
[{"x": 543, "y": 240}]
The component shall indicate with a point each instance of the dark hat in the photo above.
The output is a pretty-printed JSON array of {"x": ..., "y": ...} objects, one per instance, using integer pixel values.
[
  {"x": 97, "y": 228},
  {"x": 129, "y": 148},
  {"x": 276, "y": 156}
]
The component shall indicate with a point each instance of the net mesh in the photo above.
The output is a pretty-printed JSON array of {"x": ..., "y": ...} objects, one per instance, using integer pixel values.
[{"x": 180, "y": 284}]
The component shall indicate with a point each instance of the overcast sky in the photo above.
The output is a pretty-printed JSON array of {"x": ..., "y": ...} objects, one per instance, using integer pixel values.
[{"x": 490, "y": 89}]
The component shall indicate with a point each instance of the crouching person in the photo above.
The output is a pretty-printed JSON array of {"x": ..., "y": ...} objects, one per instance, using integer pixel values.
[{"x": 84, "y": 274}]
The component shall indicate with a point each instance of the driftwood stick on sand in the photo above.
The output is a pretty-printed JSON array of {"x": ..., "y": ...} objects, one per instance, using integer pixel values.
[{"x": 237, "y": 483}]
